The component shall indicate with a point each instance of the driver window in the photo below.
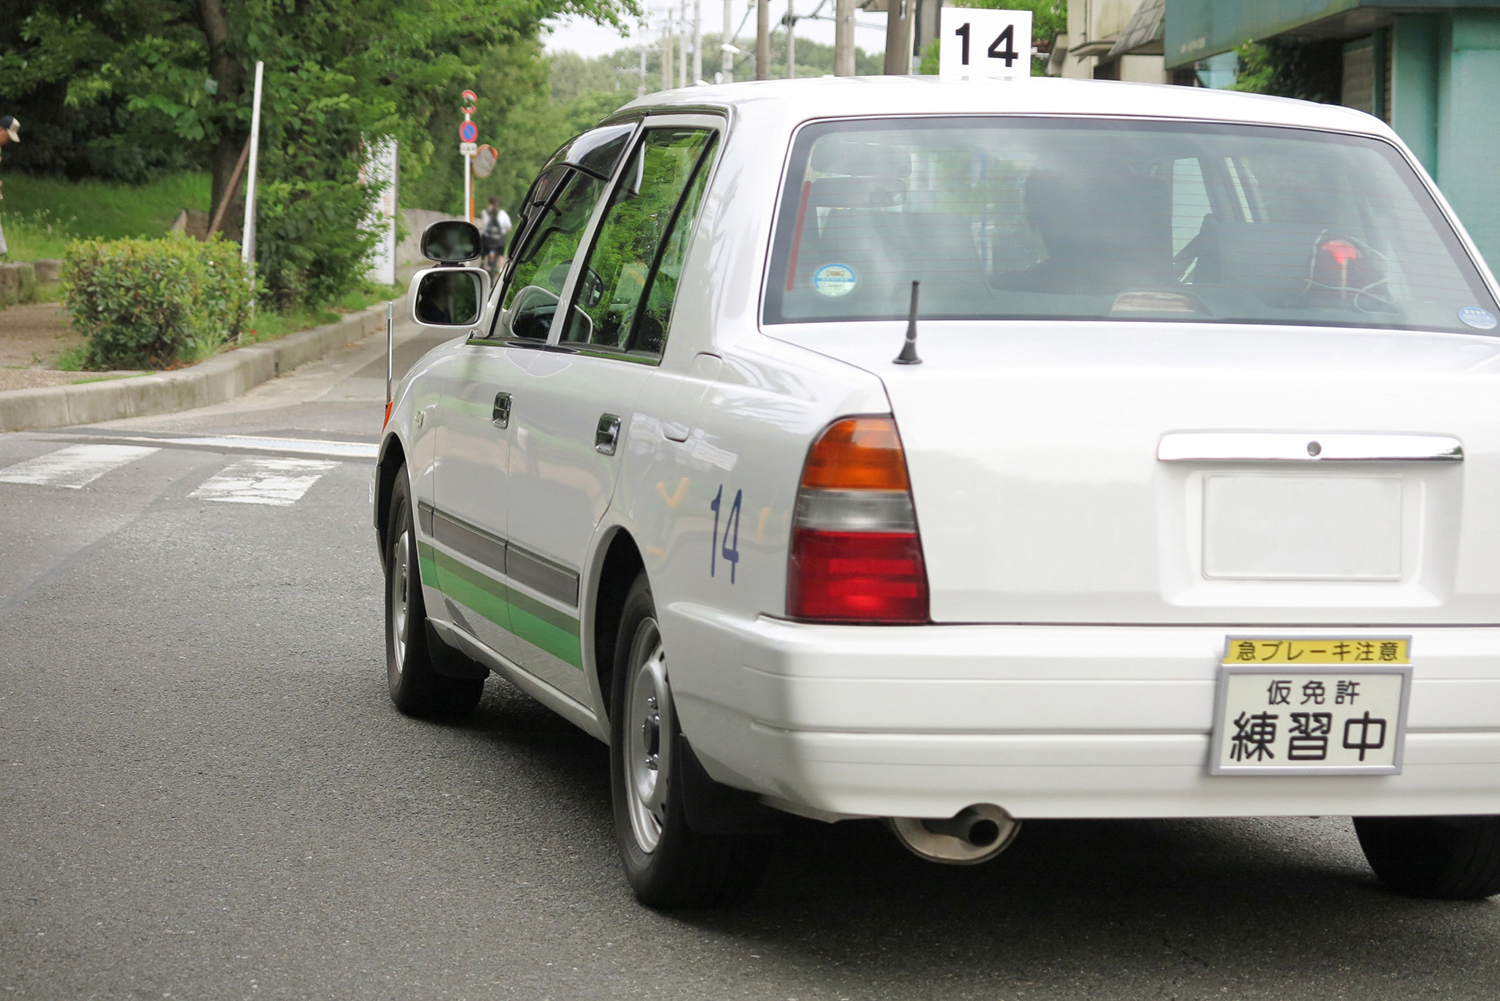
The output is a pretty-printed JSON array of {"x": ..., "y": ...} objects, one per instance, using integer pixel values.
[
  {"x": 649, "y": 213},
  {"x": 541, "y": 265}
]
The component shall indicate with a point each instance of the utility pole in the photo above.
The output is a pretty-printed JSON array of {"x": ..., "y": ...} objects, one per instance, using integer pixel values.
[
  {"x": 726, "y": 43},
  {"x": 666, "y": 55},
  {"x": 791, "y": 40},
  {"x": 682, "y": 62},
  {"x": 763, "y": 39},
  {"x": 697, "y": 42},
  {"x": 843, "y": 38},
  {"x": 898, "y": 37}
]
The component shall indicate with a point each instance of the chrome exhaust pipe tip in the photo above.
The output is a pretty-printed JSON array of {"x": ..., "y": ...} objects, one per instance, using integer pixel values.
[{"x": 975, "y": 834}]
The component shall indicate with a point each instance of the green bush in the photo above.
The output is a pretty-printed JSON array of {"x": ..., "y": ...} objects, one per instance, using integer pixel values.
[{"x": 154, "y": 303}]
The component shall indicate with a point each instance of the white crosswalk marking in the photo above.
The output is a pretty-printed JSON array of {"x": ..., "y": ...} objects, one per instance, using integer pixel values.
[
  {"x": 74, "y": 467},
  {"x": 263, "y": 481}
]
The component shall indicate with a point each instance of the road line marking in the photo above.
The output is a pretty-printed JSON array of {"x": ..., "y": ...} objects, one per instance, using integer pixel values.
[
  {"x": 300, "y": 446},
  {"x": 73, "y": 467},
  {"x": 281, "y": 482}
]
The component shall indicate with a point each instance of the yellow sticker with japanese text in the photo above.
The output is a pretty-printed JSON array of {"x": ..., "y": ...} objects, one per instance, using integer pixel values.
[{"x": 1318, "y": 650}]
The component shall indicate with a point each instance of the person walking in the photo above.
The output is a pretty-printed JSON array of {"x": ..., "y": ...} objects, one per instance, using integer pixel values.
[
  {"x": 494, "y": 227},
  {"x": 10, "y": 132}
]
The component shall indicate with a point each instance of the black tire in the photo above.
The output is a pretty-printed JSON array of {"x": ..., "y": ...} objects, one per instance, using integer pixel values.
[
  {"x": 1450, "y": 858},
  {"x": 678, "y": 867},
  {"x": 416, "y": 688}
]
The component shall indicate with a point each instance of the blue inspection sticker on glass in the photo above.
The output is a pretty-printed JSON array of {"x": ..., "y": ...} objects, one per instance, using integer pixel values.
[
  {"x": 1478, "y": 317},
  {"x": 834, "y": 280}
]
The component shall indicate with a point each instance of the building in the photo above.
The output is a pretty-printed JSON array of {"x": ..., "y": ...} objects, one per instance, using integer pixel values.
[
  {"x": 1112, "y": 40},
  {"x": 1432, "y": 70}
]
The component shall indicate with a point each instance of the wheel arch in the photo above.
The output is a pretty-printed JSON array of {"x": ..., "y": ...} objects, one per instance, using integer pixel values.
[
  {"x": 392, "y": 460},
  {"x": 617, "y": 571}
]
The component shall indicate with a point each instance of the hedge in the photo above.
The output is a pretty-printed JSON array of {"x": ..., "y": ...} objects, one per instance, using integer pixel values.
[{"x": 154, "y": 303}]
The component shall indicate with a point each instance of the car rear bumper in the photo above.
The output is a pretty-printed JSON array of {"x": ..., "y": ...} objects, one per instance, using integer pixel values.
[{"x": 1044, "y": 721}]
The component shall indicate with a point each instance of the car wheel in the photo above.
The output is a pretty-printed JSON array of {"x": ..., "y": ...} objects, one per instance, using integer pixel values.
[
  {"x": 667, "y": 863},
  {"x": 416, "y": 687},
  {"x": 1452, "y": 858}
]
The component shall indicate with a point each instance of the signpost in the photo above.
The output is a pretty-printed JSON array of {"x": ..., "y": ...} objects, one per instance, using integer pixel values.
[
  {"x": 983, "y": 44},
  {"x": 468, "y": 133}
]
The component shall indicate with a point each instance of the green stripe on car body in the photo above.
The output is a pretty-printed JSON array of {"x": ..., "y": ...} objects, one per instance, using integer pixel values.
[{"x": 539, "y": 624}]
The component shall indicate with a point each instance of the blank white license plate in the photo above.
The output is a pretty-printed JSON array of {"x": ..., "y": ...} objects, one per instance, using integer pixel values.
[{"x": 1281, "y": 717}]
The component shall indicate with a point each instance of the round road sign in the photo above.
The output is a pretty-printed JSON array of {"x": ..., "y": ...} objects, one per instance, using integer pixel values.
[
  {"x": 468, "y": 132},
  {"x": 470, "y": 99}
]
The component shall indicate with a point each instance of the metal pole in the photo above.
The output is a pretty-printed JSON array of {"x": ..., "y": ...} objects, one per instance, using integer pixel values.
[
  {"x": 843, "y": 38},
  {"x": 697, "y": 42},
  {"x": 763, "y": 39},
  {"x": 640, "y": 91},
  {"x": 682, "y": 60},
  {"x": 247, "y": 248},
  {"x": 791, "y": 40},
  {"x": 390, "y": 354},
  {"x": 666, "y": 55},
  {"x": 726, "y": 43},
  {"x": 468, "y": 180}
]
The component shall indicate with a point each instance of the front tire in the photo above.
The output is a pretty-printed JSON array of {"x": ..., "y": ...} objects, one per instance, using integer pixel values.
[
  {"x": 1449, "y": 858},
  {"x": 416, "y": 687},
  {"x": 667, "y": 863}
]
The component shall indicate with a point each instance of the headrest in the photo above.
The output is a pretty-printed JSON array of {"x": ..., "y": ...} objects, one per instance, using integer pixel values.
[{"x": 840, "y": 156}]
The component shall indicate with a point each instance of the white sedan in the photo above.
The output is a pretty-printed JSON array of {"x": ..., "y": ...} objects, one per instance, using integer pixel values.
[{"x": 957, "y": 454}]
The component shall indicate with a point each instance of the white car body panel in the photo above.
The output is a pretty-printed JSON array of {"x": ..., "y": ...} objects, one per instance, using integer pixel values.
[{"x": 1071, "y": 665}]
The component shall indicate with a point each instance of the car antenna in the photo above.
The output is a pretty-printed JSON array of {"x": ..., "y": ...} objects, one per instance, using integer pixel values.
[{"x": 908, "y": 355}]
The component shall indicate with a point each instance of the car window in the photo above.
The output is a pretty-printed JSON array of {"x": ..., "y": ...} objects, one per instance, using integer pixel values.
[
  {"x": 1004, "y": 218},
  {"x": 539, "y": 268},
  {"x": 638, "y": 252}
]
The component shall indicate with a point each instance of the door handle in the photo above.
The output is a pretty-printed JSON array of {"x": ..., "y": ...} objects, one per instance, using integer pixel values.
[
  {"x": 607, "y": 434},
  {"x": 500, "y": 416}
]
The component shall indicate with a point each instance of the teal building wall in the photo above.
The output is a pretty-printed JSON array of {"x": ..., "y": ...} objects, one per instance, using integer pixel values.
[{"x": 1443, "y": 63}]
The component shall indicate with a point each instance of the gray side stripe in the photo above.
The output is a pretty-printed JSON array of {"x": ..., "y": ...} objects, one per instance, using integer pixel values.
[
  {"x": 502, "y": 556},
  {"x": 473, "y": 543},
  {"x": 542, "y": 575},
  {"x": 424, "y": 517}
]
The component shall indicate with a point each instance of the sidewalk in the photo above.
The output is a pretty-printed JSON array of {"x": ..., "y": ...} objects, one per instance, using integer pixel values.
[
  {"x": 221, "y": 378},
  {"x": 32, "y": 335}
]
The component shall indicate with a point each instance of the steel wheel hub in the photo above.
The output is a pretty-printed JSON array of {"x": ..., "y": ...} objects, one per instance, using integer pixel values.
[
  {"x": 400, "y": 598},
  {"x": 647, "y": 737}
]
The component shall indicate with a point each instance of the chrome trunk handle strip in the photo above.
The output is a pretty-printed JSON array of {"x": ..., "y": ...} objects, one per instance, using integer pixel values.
[{"x": 1259, "y": 446}]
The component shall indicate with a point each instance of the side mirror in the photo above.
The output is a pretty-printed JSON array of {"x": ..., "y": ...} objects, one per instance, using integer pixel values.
[
  {"x": 449, "y": 297},
  {"x": 451, "y": 241}
]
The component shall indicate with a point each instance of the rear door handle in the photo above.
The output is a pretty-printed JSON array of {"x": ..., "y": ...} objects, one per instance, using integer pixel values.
[
  {"x": 500, "y": 416},
  {"x": 607, "y": 434}
]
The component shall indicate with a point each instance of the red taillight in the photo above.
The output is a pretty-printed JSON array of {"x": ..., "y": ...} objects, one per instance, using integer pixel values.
[{"x": 856, "y": 554}]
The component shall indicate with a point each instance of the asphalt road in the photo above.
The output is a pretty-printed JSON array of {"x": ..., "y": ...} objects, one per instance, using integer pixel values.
[{"x": 205, "y": 793}]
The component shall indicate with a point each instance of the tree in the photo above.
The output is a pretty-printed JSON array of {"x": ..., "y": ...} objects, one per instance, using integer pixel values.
[
  {"x": 336, "y": 72},
  {"x": 1310, "y": 71}
]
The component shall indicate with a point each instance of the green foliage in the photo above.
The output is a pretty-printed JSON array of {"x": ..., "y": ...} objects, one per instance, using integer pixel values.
[
  {"x": 154, "y": 303},
  {"x": 139, "y": 76},
  {"x": 1312, "y": 71},
  {"x": 54, "y": 210}
]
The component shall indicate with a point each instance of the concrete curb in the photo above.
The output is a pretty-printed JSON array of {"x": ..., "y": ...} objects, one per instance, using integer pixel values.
[{"x": 214, "y": 381}]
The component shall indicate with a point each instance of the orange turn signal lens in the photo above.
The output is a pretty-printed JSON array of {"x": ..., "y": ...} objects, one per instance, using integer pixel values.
[{"x": 857, "y": 453}]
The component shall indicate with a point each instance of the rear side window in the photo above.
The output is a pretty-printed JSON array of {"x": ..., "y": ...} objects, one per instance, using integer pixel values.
[
  {"x": 625, "y": 292},
  {"x": 1017, "y": 218}
]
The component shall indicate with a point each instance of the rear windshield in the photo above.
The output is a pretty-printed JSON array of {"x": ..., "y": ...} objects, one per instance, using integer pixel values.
[{"x": 1037, "y": 218}]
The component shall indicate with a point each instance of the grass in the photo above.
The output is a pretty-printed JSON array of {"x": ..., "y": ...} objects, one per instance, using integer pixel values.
[
  {"x": 40, "y": 214},
  {"x": 268, "y": 326}
]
